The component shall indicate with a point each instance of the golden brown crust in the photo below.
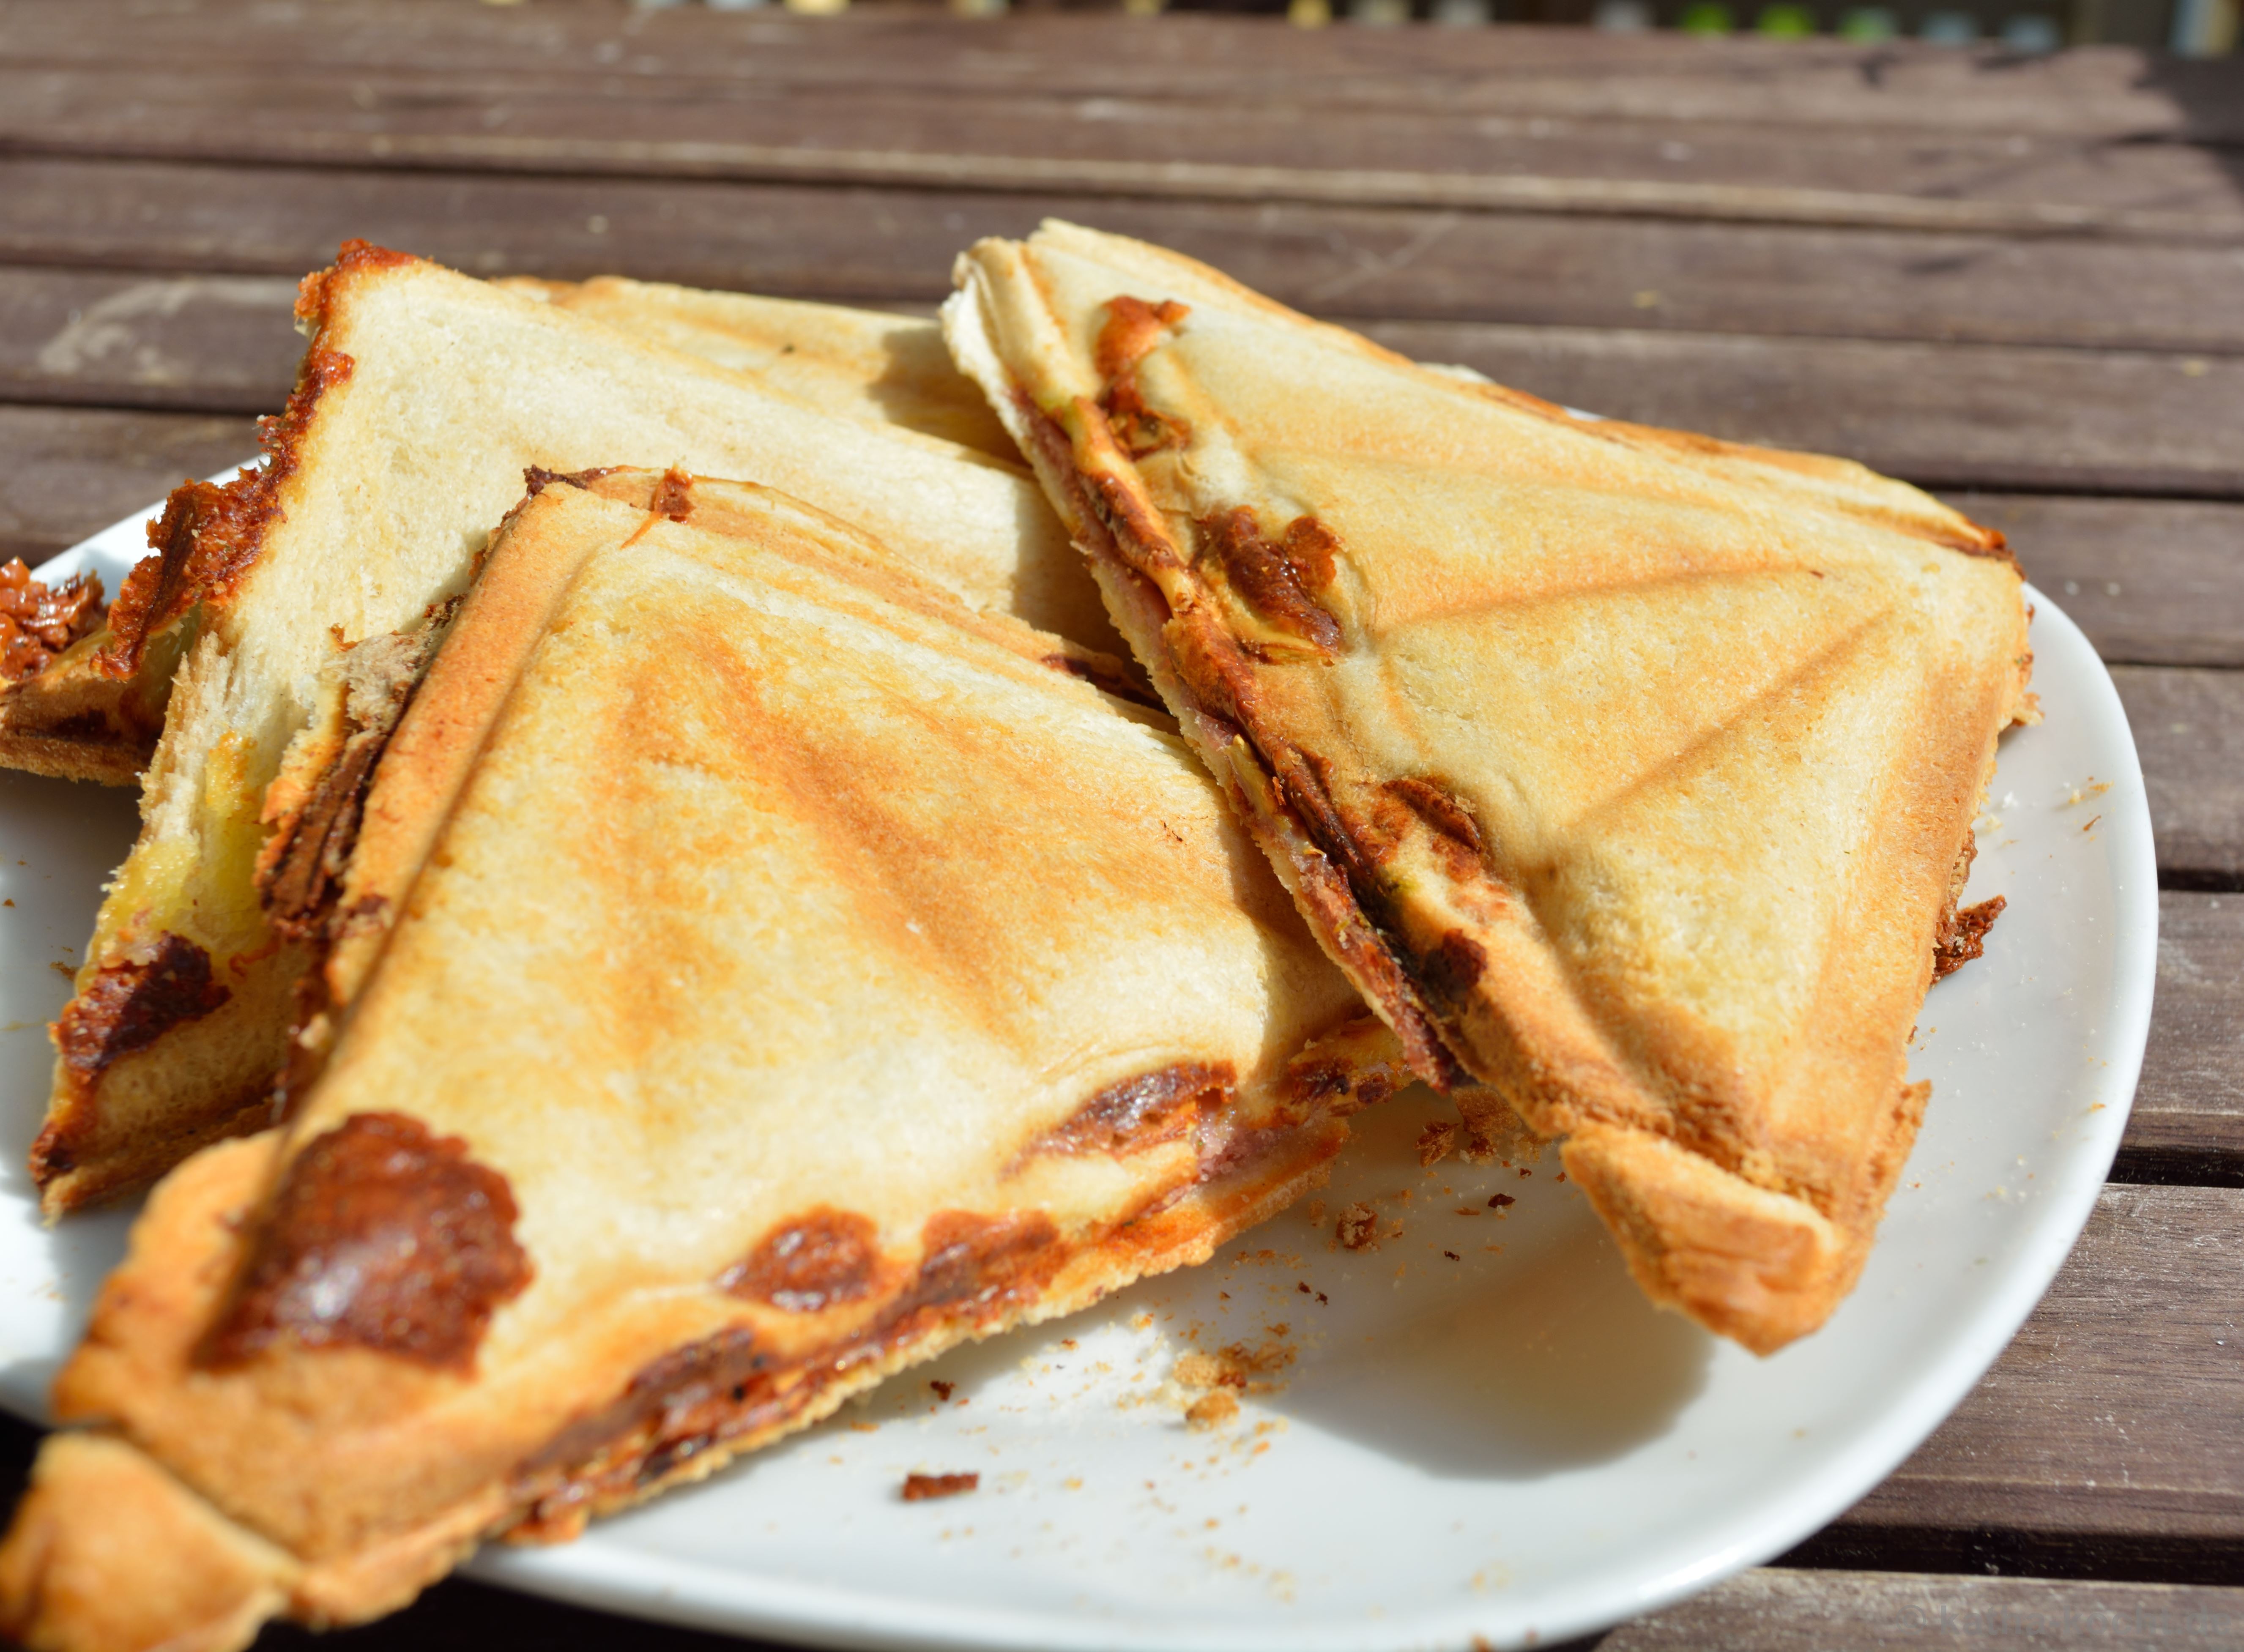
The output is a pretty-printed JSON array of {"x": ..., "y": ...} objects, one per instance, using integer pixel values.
[
  {"x": 1569, "y": 909},
  {"x": 422, "y": 396},
  {"x": 109, "y": 1553},
  {"x": 775, "y": 1089}
]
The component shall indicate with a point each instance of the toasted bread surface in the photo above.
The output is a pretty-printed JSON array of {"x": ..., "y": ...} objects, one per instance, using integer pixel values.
[
  {"x": 889, "y": 369},
  {"x": 1628, "y": 773},
  {"x": 787, "y": 973},
  {"x": 424, "y": 398}
]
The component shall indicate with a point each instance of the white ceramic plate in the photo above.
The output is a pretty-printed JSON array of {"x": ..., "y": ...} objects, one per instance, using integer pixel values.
[{"x": 1478, "y": 1429}]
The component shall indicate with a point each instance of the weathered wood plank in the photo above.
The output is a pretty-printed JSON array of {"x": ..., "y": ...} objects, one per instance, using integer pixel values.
[
  {"x": 71, "y": 472},
  {"x": 659, "y": 125},
  {"x": 1946, "y": 415},
  {"x": 209, "y": 343},
  {"x": 1899, "y": 85},
  {"x": 1984, "y": 415},
  {"x": 2151, "y": 581},
  {"x": 1343, "y": 261},
  {"x": 2189, "y": 1108},
  {"x": 2189, "y": 727},
  {"x": 2120, "y": 1407},
  {"x": 1786, "y": 1609}
]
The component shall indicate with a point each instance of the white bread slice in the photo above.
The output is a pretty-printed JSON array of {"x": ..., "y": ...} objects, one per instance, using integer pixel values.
[
  {"x": 1630, "y": 774},
  {"x": 866, "y": 364},
  {"x": 794, "y": 973},
  {"x": 423, "y": 398}
]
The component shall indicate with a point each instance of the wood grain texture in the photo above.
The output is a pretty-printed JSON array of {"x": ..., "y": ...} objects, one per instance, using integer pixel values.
[
  {"x": 73, "y": 471},
  {"x": 1785, "y": 1609},
  {"x": 1945, "y": 415},
  {"x": 1901, "y": 86},
  {"x": 660, "y": 125},
  {"x": 2189, "y": 727},
  {"x": 2119, "y": 1407},
  {"x": 2190, "y": 1104},
  {"x": 205, "y": 343},
  {"x": 1334, "y": 259},
  {"x": 2151, "y": 581}
]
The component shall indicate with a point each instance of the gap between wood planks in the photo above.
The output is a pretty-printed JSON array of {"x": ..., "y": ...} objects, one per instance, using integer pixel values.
[
  {"x": 663, "y": 129},
  {"x": 2019, "y": 417},
  {"x": 182, "y": 220},
  {"x": 1825, "y": 84}
]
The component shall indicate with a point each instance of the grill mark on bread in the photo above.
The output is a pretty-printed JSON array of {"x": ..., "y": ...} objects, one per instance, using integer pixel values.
[
  {"x": 1139, "y": 1113},
  {"x": 810, "y": 1262},
  {"x": 381, "y": 1235}
]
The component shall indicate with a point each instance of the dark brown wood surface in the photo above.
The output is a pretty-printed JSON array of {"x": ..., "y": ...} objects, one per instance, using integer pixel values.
[{"x": 2017, "y": 280}]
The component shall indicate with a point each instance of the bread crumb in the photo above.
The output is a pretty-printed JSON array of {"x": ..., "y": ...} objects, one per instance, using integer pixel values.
[
  {"x": 1250, "y": 1370},
  {"x": 1211, "y": 1410},
  {"x": 918, "y": 1488},
  {"x": 1316, "y": 1213},
  {"x": 1434, "y": 1143},
  {"x": 1358, "y": 1227},
  {"x": 1501, "y": 1201},
  {"x": 1198, "y": 1371},
  {"x": 943, "y": 1390},
  {"x": 864, "y": 1428}
]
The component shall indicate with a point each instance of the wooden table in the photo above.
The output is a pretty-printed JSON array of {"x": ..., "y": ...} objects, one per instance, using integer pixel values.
[{"x": 2018, "y": 282}]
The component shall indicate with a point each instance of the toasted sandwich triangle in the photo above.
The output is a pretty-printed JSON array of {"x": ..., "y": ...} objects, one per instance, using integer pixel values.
[
  {"x": 1630, "y": 775},
  {"x": 423, "y": 398},
  {"x": 781, "y": 972}
]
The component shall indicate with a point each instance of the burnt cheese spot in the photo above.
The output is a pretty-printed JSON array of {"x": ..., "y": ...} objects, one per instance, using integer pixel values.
[
  {"x": 1141, "y": 1112},
  {"x": 1133, "y": 328},
  {"x": 1275, "y": 578},
  {"x": 810, "y": 1262},
  {"x": 673, "y": 495},
  {"x": 1454, "y": 968},
  {"x": 1965, "y": 937},
  {"x": 131, "y": 1003},
  {"x": 382, "y": 1235},
  {"x": 210, "y": 534},
  {"x": 1439, "y": 808},
  {"x": 982, "y": 1261},
  {"x": 37, "y": 621}
]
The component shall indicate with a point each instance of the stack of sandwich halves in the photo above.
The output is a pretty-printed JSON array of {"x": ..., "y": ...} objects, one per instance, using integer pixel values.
[{"x": 680, "y": 876}]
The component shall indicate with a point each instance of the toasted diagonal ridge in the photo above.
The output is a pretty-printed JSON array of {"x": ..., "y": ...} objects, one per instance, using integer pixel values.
[
  {"x": 422, "y": 399},
  {"x": 747, "y": 969},
  {"x": 1630, "y": 774}
]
